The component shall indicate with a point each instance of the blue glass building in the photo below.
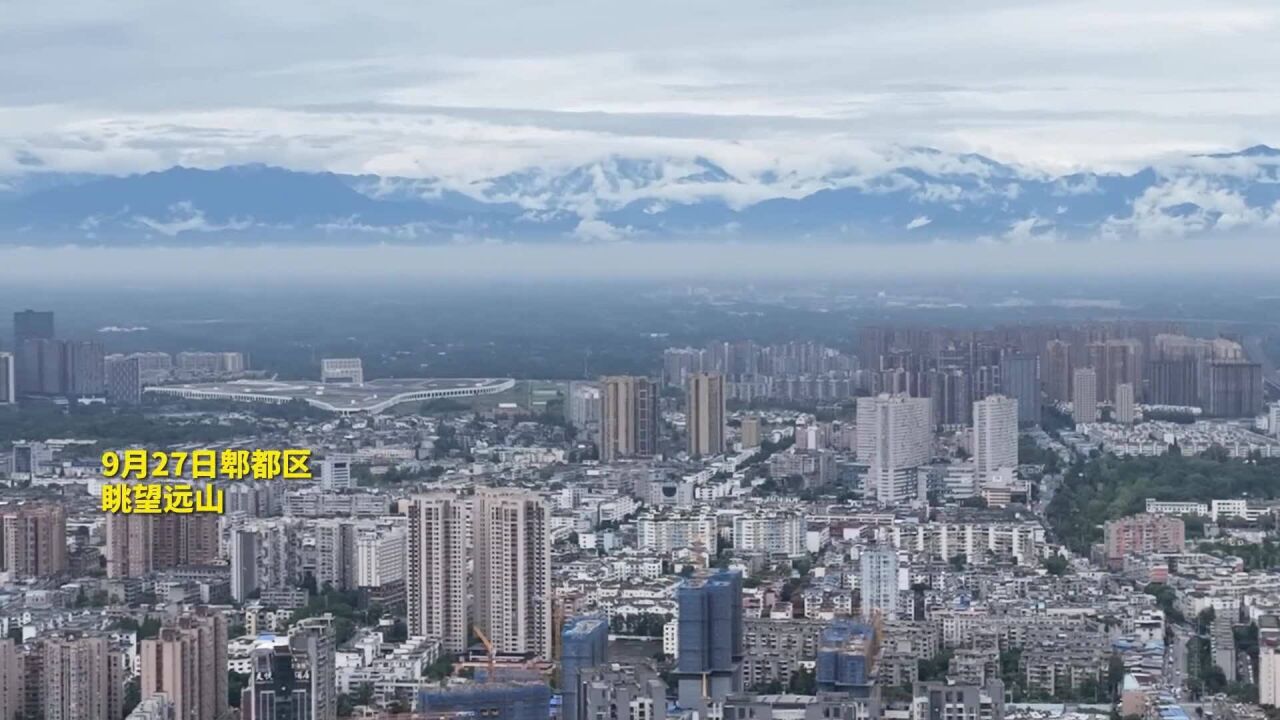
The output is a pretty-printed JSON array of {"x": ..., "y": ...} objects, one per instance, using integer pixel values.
[{"x": 584, "y": 644}]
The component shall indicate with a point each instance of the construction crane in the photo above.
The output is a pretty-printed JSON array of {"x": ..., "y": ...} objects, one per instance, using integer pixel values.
[{"x": 488, "y": 647}]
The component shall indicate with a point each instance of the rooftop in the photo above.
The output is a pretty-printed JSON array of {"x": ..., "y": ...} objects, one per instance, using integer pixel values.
[{"x": 373, "y": 396}]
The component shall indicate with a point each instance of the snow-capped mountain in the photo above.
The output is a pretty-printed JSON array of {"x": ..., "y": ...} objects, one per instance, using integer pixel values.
[{"x": 915, "y": 195}]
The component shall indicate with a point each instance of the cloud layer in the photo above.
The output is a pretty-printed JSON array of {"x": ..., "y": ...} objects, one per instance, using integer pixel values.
[{"x": 474, "y": 90}]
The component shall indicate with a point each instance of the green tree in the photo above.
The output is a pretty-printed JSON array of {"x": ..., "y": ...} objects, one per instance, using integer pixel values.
[
  {"x": 1056, "y": 565},
  {"x": 236, "y": 683}
]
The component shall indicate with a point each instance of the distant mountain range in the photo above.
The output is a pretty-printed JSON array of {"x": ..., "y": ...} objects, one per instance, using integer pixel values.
[{"x": 921, "y": 195}]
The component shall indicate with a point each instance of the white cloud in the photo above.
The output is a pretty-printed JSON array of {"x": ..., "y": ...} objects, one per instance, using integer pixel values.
[
  {"x": 599, "y": 231},
  {"x": 186, "y": 218},
  {"x": 919, "y": 222},
  {"x": 418, "y": 89}
]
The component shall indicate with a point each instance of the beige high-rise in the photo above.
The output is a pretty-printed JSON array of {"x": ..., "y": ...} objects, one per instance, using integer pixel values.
[
  {"x": 11, "y": 668},
  {"x": 1057, "y": 370},
  {"x": 751, "y": 431},
  {"x": 33, "y": 540},
  {"x": 705, "y": 418},
  {"x": 128, "y": 551},
  {"x": 436, "y": 570},
  {"x": 187, "y": 662},
  {"x": 512, "y": 565},
  {"x": 628, "y": 418},
  {"x": 81, "y": 678},
  {"x": 139, "y": 544}
]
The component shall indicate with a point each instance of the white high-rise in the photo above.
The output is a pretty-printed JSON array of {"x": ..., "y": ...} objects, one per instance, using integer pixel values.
[
  {"x": 879, "y": 587},
  {"x": 995, "y": 435},
  {"x": 1084, "y": 396},
  {"x": 895, "y": 437},
  {"x": 512, "y": 566},
  {"x": 1124, "y": 404},
  {"x": 335, "y": 473},
  {"x": 1269, "y": 661},
  {"x": 245, "y": 544},
  {"x": 436, "y": 588}
]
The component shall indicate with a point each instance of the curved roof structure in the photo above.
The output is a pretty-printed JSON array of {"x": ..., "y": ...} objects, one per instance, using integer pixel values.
[{"x": 371, "y": 397}]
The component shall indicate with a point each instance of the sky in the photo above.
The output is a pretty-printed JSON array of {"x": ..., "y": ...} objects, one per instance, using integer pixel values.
[{"x": 468, "y": 90}]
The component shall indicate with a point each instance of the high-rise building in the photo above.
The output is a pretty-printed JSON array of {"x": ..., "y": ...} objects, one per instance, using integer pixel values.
[
  {"x": 995, "y": 435},
  {"x": 1084, "y": 396},
  {"x": 342, "y": 370},
  {"x": 245, "y": 545},
  {"x": 29, "y": 328},
  {"x": 1116, "y": 362},
  {"x": 293, "y": 677},
  {"x": 710, "y": 630},
  {"x": 879, "y": 586},
  {"x": 381, "y": 554},
  {"x": 1057, "y": 370},
  {"x": 41, "y": 367},
  {"x": 124, "y": 380},
  {"x": 950, "y": 395},
  {"x": 128, "y": 545},
  {"x": 179, "y": 540},
  {"x": 846, "y": 657},
  {"x": 186, "y": 662},
  {"x": 11, "y": 686},
  {"x": 336, "y": 553},
  {"x": 1235, "y": 389},
  {"x": 895, "y": 437},
  {"x": 8, "y": 379},
  {"x": 512, "y": 566},
  {"x": 83, "y": 366},
  {"x": 705, "y": 417},
  {"x": 1020, "y": 379},
  {"x": 335, "y": 473},
  {"x": 679, "y": 363},
  {"x": 33, "y": 540},
  {"x": 629, "y": 417},
  {"x": 1175, "y": 381},
  {"x": 138, "y": 544},
  {"x": 32, "y": 325},
  {"x": 1124, "y": 408},
  {"x": 1269, "y": 660},
  {"x": 1273, "y": 420},
  {"x": 583, "y": 408},
  {"x": 81, "y": 677},
  {"x": 436, "y": 570},
  {"x": 313, "y": 645},
  {"x": 1222, "y": 644},
  {"x": 751, "y": 431},
  {"x": 584, "y": 644}
]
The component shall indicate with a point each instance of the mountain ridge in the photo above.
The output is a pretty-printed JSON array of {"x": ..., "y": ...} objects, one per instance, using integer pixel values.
[{"x": 923, "y": 195}]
